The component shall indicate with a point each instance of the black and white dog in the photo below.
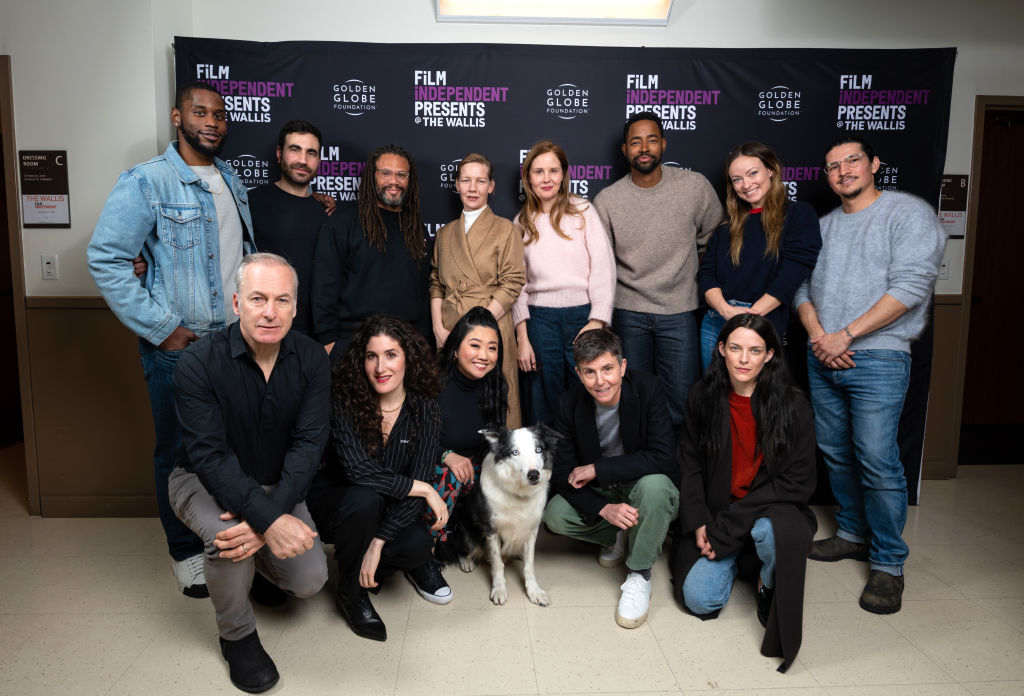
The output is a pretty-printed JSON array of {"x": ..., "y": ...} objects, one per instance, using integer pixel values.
[{"x": 501, "y": 515}]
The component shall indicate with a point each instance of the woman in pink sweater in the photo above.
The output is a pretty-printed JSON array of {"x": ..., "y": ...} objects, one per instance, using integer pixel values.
[{"x": 570, "y": 279}]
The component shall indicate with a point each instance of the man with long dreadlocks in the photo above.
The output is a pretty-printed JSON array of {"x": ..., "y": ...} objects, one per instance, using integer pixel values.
[{"x": 375, "y": 257}]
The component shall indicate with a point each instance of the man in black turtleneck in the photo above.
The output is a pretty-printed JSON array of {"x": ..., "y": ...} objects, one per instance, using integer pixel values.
[{"x": 375, "y": 257}]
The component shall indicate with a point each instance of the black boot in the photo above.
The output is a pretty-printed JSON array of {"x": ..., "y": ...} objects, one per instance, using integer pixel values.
[
  {"x": 361, "y": 616},
  {"x": 763, "y": 598},
  {"x": 249, "y": 665},
  {"x": 265, "y": 592}
]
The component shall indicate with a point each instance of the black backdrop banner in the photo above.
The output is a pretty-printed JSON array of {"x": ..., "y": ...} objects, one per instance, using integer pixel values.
[{"x": 441, "y": 101}]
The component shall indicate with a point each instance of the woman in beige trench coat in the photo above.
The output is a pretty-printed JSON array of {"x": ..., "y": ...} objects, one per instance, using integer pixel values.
[{"x": 478, "y": 262}]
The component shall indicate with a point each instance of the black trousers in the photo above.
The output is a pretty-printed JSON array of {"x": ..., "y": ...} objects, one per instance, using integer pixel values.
[{"x": 348, "y": 517}]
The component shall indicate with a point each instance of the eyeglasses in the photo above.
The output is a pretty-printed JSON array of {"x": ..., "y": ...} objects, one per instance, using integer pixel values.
[
  {"x": 387, "y": 174},
  {"x": 849, "y": 161}
]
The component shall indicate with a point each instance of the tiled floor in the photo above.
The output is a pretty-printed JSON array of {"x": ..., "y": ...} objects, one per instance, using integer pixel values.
[{"x": 88, "y": 606}]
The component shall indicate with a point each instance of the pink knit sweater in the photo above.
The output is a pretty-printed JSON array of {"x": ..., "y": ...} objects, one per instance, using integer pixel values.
[{"x": 569, "y": 272}]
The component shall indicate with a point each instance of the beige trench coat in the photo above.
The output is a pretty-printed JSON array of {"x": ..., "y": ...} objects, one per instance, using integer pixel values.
[{"x": 470, "y": 270}]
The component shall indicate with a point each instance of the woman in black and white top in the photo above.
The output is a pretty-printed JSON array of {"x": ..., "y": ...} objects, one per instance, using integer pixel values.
[{"x": 368, "y": 499}]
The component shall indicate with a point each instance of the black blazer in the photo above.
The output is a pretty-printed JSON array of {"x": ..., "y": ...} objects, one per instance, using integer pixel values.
[
  {"x": 647, "y": 438},
  {"x": 780, "y": 492}
]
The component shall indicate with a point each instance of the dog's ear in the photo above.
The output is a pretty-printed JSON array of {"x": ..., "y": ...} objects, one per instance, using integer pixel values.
[
  {"x": 547, "y": 435},
  {"x": 493, "y": 435}
]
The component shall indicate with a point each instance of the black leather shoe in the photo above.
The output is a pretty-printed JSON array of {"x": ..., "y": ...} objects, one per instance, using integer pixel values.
[
  {"x": 883, "y": 594},
  {"x": 250, "y": 666},
  {"x": 265, "y": 592},
  {"x": 361, "y": 616},
  {"x": 763, "y": 599},
  {"x": 836, "y": 549}
]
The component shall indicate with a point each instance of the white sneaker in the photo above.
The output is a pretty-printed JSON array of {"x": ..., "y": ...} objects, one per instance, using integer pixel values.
[
  {"x": 634, "y": 602},
  {"x": 611, "y": 556},
  {"x": 190, "y": 576}
]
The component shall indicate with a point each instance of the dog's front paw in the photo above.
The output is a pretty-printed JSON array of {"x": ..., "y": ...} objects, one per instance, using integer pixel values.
[
  {"x": 499, "y": 595},
  {"x": 537, "y": 595},
  {"x": 466, "y": 565}
]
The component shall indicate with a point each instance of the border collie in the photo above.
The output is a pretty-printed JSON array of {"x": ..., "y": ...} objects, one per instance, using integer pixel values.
[{"x": 500, "y": 516}]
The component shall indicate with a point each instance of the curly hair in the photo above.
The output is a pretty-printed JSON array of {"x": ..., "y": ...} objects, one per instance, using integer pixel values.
[
  {"x": 352, "y": 392},
  {"x": 773, "y": 404},
  {"x": 737, "y": 210},
  {"x": 410, "y": 221},
  {"x": 494, "y": 399}
]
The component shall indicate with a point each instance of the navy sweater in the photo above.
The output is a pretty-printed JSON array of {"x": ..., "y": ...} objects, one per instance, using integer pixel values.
[{"x": 757, "y": 274}]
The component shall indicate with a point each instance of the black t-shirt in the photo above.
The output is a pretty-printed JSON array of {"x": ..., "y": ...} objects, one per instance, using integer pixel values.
[
  {"x": 460, "y": 415},
  {"x": 288, "y": 225}
]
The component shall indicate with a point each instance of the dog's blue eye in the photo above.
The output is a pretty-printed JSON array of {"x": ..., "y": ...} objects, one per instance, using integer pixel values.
[
  {"x": 515, "y": 453},
  {"x": 538, "y": 450}
]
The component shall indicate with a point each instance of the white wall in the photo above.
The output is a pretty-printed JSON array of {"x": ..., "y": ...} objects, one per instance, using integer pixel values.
[{"x": 95, "y": 77}]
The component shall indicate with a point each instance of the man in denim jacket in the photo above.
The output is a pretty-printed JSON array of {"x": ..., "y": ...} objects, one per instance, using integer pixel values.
[{"x": 186, "y": 212}]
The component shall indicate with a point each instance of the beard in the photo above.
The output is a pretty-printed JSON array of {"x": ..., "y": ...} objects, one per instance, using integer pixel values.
[
  {"x": 192, "y": 138},
  {"x": 392, "y": 201},
  {"x": 645, "y": 168},
  {"x": 290, "y": 174}
]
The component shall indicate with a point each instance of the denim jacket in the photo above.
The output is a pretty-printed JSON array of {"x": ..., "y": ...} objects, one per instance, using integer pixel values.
[{"x": 163, "y": 209}]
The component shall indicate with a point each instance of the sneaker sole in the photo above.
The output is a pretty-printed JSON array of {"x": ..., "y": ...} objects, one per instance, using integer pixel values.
[
  {"x": 433, "y": 599},
  {"x": 630, "y": 623},
  {"x": 196, "y": 591}
]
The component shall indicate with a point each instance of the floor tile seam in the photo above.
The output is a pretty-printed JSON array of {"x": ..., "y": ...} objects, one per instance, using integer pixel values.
[
  {"x": 668, "y": 663},
  {"x": 889, "y": 622},
  {"x": 533, "y": 656},
  {"x": 401, "y": 652},
  {"x": 143, "y": 647},
  {"x": 999, "y": 617}
]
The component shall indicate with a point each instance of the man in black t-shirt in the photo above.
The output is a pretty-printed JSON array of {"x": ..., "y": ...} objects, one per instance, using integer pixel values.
[
  {"x": 374, "y": 257},
  {"x": 287, "y": 216}
]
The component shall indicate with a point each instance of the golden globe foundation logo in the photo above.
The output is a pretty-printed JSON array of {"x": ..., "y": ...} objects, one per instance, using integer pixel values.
[
  {"x": 448, "y": 174},
  {"x": 354, "y": 97},
  {"x": 252, "y": 170},
  {"x": 779, "y": 103},
  {"x": 567, "y": 101}
]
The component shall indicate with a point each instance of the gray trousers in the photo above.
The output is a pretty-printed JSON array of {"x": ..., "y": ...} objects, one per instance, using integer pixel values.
[{"x": 229, "y": 582}]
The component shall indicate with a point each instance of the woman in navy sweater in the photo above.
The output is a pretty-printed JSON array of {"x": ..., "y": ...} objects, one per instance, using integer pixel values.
[{"x": 761, "y": 253}]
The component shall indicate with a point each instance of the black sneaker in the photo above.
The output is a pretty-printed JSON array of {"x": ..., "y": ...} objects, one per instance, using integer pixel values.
[
  {"x": 429, "y": 582},
  {"x": 763, "y": 599}
]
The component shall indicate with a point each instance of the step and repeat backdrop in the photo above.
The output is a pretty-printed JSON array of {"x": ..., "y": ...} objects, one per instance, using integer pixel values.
[{"x": 441, "y": 101}]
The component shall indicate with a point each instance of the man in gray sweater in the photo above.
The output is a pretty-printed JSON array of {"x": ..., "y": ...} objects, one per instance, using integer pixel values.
[
  {"x": 866, "y": 300},
  {"x": 657, "y": 217}
]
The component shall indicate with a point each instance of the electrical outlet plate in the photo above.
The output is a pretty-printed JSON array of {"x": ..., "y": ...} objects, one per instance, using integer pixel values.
[{"x": 50, "y": 269}]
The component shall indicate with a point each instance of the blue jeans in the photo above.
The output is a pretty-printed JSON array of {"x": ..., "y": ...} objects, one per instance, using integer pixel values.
[
  {"x": 856, "y": 415},
  {"x": 664, "y": 345},
  {"x": 709, "y": 583},
  {"x": 551, "y": 331},
  {"x": 710, "y": 326},
  {"x": 158, "y": 369}
]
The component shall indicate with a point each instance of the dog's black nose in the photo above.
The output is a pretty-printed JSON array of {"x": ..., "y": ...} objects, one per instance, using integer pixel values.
[{"x": 533, "y": 476}]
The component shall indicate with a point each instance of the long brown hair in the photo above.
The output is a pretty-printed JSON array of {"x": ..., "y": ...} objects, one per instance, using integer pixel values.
[
  {"x": 352, "y": 393},
  {"x": 409, "y": 219},
  {"x": 773, "y": 212},
  {"x": 532, "y": 207}
]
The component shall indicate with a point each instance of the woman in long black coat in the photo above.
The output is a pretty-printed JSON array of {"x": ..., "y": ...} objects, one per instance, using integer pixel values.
[{"x": 748, "y": 468}]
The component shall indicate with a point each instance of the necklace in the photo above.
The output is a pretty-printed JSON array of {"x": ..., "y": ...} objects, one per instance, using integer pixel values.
[{"x": 384, "y": 410}]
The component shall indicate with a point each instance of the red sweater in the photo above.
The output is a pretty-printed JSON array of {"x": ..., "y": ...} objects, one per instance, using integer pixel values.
[{"x": 746, "y": 460}]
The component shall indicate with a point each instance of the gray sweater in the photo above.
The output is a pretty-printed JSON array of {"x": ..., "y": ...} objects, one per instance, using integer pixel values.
[
  {"x": 894, "y": 246},
  {"x": 655, "y": 233}
]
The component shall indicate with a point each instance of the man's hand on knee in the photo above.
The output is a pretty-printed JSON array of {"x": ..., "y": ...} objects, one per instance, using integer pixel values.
[
  {"x": 622, "y": 515},
  {"x": 238, "y": 542},
  {"x": 289, "y": 537}
]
